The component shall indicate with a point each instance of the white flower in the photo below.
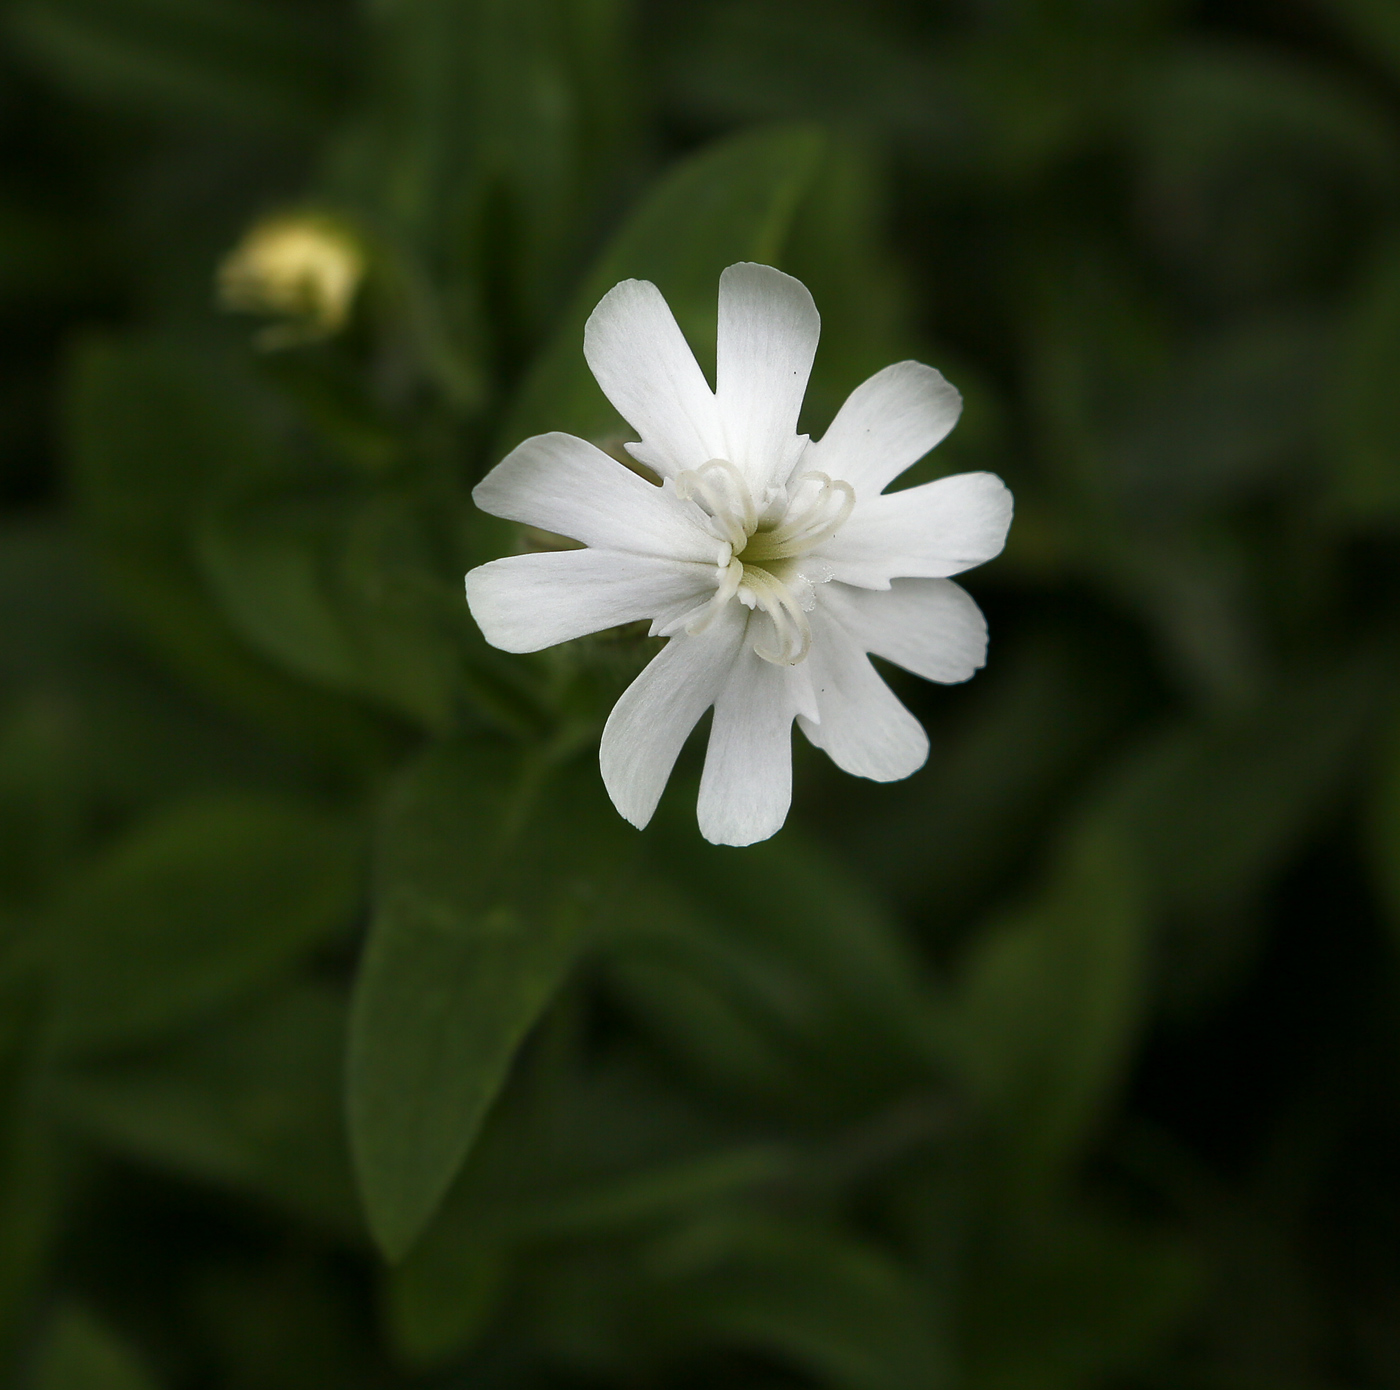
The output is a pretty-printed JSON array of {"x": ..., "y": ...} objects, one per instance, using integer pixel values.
[{"x": 773, "y": 563}]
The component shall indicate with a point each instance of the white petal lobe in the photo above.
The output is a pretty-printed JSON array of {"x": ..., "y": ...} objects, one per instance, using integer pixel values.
[
  {"x": 931, "y": 531},
  {"x": 887, "y": 423},
  {"x": 746, "y": 787},
  {"x": 641, "y": 359},
  {"x": 931, "y": 627},
  {"x": 864, "y": 728},
  {"x": 527, "y": 602},
  {"x": 650, "y": 723},
  {"x": 768, "y": 331},
  {"x": 566, "y": 485}
]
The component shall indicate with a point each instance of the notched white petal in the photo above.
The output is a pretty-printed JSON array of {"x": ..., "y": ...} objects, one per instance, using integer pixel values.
[
  {"x": 746, "y": 787},
  {"x": 767, "y": 338},
  {"x": 926, "y": 532},
  {"x": 525, "y": 603},
  {"x": 651, "y": 722},
  {"x": 568, "y": 486},
  {"x": 887, "y": 423},
  {"x": 864, "y": 729},
  {"x": 640, "y": 357},
  {"x": 931, "y": 627}
]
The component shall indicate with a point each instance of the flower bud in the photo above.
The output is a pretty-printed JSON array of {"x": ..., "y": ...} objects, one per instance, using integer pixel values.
[{"x": 302, "y": 267}]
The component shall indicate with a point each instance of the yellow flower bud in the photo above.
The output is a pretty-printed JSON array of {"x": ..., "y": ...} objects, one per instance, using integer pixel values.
[{"x": 302, "y": 267}]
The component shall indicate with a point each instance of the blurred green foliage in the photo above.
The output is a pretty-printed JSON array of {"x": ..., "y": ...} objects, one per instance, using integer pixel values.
[{"x": 348, "y": 1038}]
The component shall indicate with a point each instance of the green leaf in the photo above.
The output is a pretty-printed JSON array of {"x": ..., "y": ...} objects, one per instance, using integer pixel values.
[
  {"x": 33, "y": 1164},
  {"x": 803, "y": 906},
  {"x": 552, "y": 102},
  {"x": 1210, "y": 109},
  {"x": 749, "y": 61},
  {"x": 734, "y": 1283},
  {"x": 249, "y": 63},
  {"x": 1114, "y": 393},
  {"x": 1049, "y": 1003},
  {"x": 1057, "y": 1298},
  {"x": 151, "y": 427},
  {"x": 1192, "y": 585},
  {"x": 436, "y": 1308},
  {"x": 254, "y": 1104},
  {"x": 1095, "y": 334},
  {"x": 41, "y": 797},
  {"x": 944, "y": 840},
  {"x": 192, "y": 909},
  {"x": 1216, "y": 809},
  {"x": 1373, "y": 26},
  {"x": 576, "y": 1151},
  {"x": 838, "y": 248},
  {"x": 93, "y": 731},
  {"x": 809, "y": 980},
  {"x": 724, "y": 1011},
  {"x": 47, "y": 253},
  {"x": 1250, "y": 149},
  {"x": 80, "y": 1352},
  {"x": 344, "y": 585},
  {"x": 734, "y": 201},
  {"x": 496, "y": 137},
  {"x": 819, "y": 1300},
  {"x": 485, "y": 884},
  {"x": 280, "y": 1317},
  {"x": 1237, "y": 411},
  {"x": 1364, "y": 441},
  {"x": 524, "y": 100}
]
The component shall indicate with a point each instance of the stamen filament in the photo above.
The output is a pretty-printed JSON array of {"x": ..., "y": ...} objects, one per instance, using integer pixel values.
[
  {"x": 811, "y": 509},
  {"x": 790, "y": 625},
  {"x": 722, "y": 490},
  {"x": 728, "y": 586},
  {"x": 809, "y": 526}
]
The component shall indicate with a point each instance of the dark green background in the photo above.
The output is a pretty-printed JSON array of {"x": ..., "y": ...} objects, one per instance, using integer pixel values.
[{"x": 1072, "y": 1061}]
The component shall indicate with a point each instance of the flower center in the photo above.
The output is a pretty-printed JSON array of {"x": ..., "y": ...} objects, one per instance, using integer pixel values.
[{"x": 767, "y": 541}]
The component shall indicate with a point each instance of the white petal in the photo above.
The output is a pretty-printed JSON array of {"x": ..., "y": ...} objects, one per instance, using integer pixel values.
[
  {"x": 565, "y": 485},
  {"x": 931, "y": 627},
  {"x": 931, "y": 531},
  {"x": 526, "y": 602},
  {"x": 768, "y": 330},
  {"x": 864, "y": 728},
  {"x": 887, "y": 423},
  {"x": 650, "y": 723},
  {"x": 746, "y": 788},
  {"x": 639, "y": 355}
]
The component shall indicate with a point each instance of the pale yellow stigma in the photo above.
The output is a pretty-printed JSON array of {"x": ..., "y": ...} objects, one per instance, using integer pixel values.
[{"x": 302, "y": 267}]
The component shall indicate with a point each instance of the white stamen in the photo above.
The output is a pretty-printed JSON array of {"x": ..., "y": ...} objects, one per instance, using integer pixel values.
[
  {"x": 790, "y": 625},
  {"x": 757, "y": 540},
  {"x": 729, "y": 582},
  {"x": 720, "y": 488},
  {"x": 805, "y": 526}
]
